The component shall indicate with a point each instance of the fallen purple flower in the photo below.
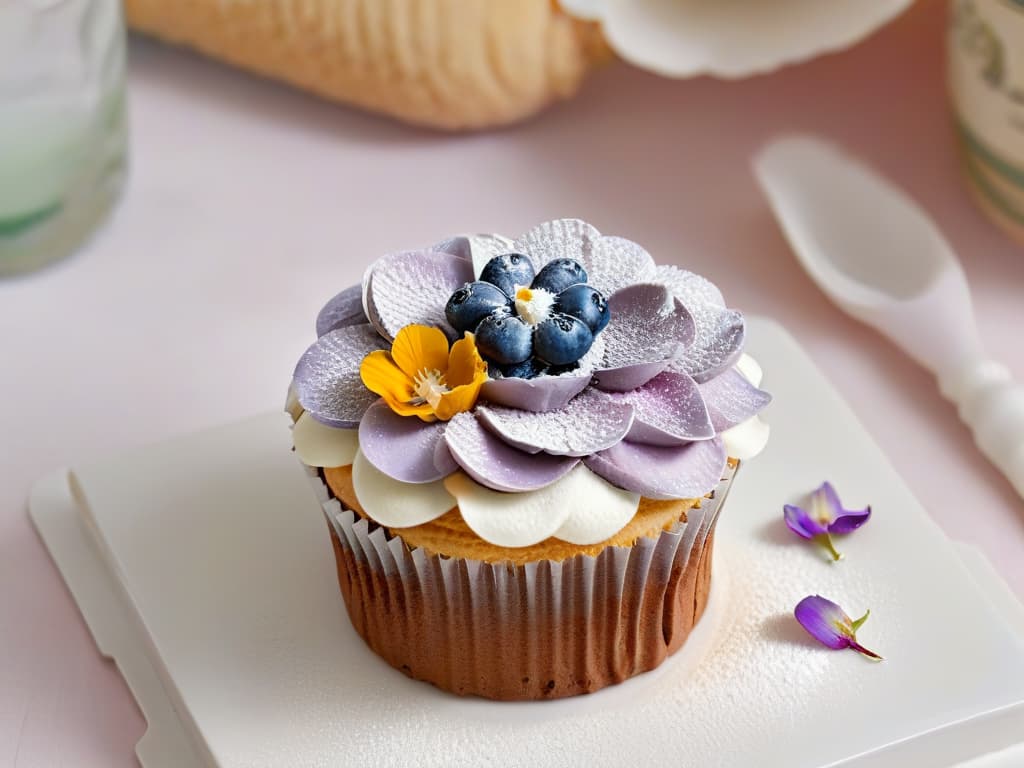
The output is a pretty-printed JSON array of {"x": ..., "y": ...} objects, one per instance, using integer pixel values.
[
  {"x": 827, "y": 623},
  {"x": 824, "y": 516}
]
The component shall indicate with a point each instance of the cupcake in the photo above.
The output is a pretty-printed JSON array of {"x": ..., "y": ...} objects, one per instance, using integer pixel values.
[{"x": 522, "y": 448}]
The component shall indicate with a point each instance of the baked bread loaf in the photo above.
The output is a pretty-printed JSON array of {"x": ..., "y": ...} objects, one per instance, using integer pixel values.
[{"x": 449, "y": 64}]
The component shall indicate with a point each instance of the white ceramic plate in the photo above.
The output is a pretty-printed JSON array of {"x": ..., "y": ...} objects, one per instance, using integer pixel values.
[{"x": 224, "y": 614}]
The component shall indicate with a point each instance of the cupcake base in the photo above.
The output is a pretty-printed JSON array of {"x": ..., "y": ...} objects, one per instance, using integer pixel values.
[{"x": 543, "y": 630}]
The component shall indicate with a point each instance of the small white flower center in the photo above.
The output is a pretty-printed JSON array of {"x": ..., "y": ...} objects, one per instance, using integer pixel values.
[
  {"x": 430, "y": 385},
  {"x": 534, "y": 304}
]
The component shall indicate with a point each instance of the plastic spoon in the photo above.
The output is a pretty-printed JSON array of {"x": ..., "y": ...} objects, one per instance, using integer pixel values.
[{"x": 878, "y": 256}]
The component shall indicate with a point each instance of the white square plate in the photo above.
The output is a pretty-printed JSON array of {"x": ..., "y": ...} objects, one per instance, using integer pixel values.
[{"x": 210, "y": 579}]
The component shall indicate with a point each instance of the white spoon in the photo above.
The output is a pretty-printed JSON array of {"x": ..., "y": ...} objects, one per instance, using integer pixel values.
[{"x": 881, "y": 259}]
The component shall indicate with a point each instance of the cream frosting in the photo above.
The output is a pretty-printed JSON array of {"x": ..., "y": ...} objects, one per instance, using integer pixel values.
[{"x": 747, "y": 439}]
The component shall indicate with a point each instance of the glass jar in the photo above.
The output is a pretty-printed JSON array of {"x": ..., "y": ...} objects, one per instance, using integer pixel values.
[
  {"x": 62, "y": 125},
  {"x": 986, "y": 71}
]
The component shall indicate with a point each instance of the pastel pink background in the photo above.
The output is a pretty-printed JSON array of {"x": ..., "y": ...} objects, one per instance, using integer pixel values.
[{"x": 201, "y": 325}]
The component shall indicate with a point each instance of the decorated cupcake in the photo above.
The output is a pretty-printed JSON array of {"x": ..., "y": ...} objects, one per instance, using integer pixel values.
[{"x": 522, "y": 448}]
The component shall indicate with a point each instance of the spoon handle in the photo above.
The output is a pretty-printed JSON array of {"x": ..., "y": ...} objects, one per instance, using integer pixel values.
[{"x": 991, "y": 403}]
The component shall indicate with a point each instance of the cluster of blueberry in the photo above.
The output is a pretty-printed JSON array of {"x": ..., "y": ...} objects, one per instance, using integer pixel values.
[{"x": 530, "y": 324}]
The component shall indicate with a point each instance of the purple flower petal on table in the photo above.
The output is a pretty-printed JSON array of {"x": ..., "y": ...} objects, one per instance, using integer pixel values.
[
  {"x": 412, "y": 288},
  {"x": 669, "y": 411},
  {"x": 731, "y": 399},
  {"x": 844, "y": 520},
  {"x": 561, "y": 238},
  {"x": 648, "y": 328},
  {"x": 590, "y": 423},
  {"x": 662, "y": 472},
  {"x": 326, "y": 379},
  {"x": 719, "y": 332},
  {"x": 343, "y": 310},
  {"x": 497, "y": 465},
  {"x": 402, "y": 447},
  {"x": 827, "y": 623},
  {"x": 801, "y": 523}
]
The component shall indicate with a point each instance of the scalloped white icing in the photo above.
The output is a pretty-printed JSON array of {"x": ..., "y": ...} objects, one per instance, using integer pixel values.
[
  {"x": 318, "y": 445},
  {"x": 394, "y": 503},
  {"x": 747, "y": 439}
]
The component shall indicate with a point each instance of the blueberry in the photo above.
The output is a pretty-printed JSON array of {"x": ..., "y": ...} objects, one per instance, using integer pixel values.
[
  {"x": 472, "y": 303},
  {"x": 559, "y": 274},
  {"x": 528, "y": 369},
  {"x": 507, "y": 271},
  {"x": 562, "y": 339},
  {"x": 504, "y": 338},
  {"x": 586, "y": 303}
]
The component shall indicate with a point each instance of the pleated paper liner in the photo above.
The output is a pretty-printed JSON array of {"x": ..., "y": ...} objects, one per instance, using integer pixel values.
[{"x": 542, "y": 630}]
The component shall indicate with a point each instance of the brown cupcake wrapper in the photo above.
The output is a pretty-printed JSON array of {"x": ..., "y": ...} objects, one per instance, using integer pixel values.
[{"x": 542, "y": 630}]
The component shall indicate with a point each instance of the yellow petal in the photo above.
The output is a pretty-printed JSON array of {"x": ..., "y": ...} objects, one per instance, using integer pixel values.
[
  {"x": 465, "y": 365},
  {"x": 380, "y": 374},
  {"x": 423, "y": 410},
  {"x": 420, "y": 347},
  {"x": 458, "y": 400}
]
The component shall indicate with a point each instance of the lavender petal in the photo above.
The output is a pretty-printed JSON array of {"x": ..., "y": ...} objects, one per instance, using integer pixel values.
[
  {"x": 822, "y": 619},
  {"x": 801, "y": 523},
  {"x": 662, "y": 472},
  {"x": 343, "y": 310},
  {"x": 413, "y": 287},
  {"x": 647, "y": 330},
  {"x": 491, "y": 462},
  {"x": 561, "y": 238},
  {"x": 590, "y": 423},
  {"x": 843, "y": 520},
  {"x": 326, "y": 379},
  {"x": 477, "y": 249},
  {"x": 669, "y": 411},
  {"x": 731, "y": 399},
  {"x": 545, "y": 393},
  {"x": 615, "y": 263},
  {"x": 402, "y": 447}
]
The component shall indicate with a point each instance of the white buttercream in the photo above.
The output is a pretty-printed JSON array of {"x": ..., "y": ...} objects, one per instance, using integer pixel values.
[
  {"x": 598, "y": 509},
  {"x": 748, "y": 438},
  {"x": 318, "y": 445},
  {"x": 394, "y": 503}
]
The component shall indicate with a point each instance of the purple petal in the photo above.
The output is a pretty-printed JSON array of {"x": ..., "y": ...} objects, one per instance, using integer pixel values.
[
  {"x": 647, "y": 329},
  {"x": 844, "y": 520},
  {"x": 491, "y": 462},
  {"x": 801, "y": 523},
  {"x": 662, "y": 472},
  {"x": 343, "y": 310},
  {"x": 669, "y": 411},
  {"x": 590, "y": 423},
  {"x": 413, "y": 287},
  {"x": 731, "y": 399},
  {"x": 402, "y": 447},
  {"x": 615, "y": 263},
  {"x": 719, "y": 334},
  {"x": 477, "y": 249},
  {"x": 822, "y": 619},
  {"x": 326, "y": 379},
  {"x": 561, "y": 238},
  {"x": 545, "y": 393}
]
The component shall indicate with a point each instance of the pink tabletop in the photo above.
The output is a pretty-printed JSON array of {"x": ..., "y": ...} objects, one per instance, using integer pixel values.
[{"x": 91, "y": 366}]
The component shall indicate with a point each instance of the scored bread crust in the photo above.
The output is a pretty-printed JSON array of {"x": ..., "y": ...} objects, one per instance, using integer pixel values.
[{"x": 449, "y": 535}]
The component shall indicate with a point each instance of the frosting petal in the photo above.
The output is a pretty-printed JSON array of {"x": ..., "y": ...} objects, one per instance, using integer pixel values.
[
  {"x": 395, "y": 504},
  {"x": 750, "y": 369},
  {"x": 670, "y": 410},
  {"x": 497, "y": 465},
  {"x": 719, "y": 332},
  {"x": 477, "y": 249},
  {"x": 326, "y": 379},
  {"x": 561, "y": 238},
  {"x": 413, "y": 287},
  {"x": 731, "y": 399},
  {"x": 403, "y": 448},
  {"x": 509, "y": 519},
  {"x": 662, "y": 472},
  {"x": 590, "y": 423},
  {"x": 747, "y": 439},
  {"x": 647, "y": 330},
  {"x": 597, "y": 509},
  {"x": 343, "y": 310},
  {"x": 615, "y": 263},
  {"x": 318, "y": 445}
]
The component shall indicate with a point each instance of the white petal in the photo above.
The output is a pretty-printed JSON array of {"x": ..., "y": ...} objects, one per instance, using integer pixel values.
[
  {"x": 746, "y": 439},
  {"x": 750, "y": 369},
  {"x": 602, "y": 510},
  {"x": 522, "y": 519},
  {"x": 319, "y": 445},
  {"x": 737, "y": 38},
  {"x": 395, "y": 504}
]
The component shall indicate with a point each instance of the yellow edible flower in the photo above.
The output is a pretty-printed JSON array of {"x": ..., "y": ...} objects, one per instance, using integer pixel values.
[{"x": 421, "y": 377}]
